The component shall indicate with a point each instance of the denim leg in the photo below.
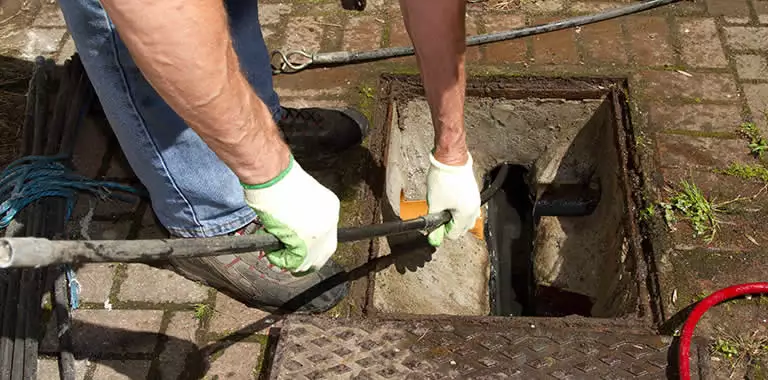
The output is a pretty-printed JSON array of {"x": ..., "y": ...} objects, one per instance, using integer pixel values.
[{"x": 194, "y": 194}]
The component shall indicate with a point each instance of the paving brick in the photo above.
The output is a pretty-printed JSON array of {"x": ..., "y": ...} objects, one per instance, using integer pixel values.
[
  {"x": 555, "y": 47},
  {"x": 29, "y": 43},
  {"x": 752, "y": 67},
  {"x": 649, "y": 38},
  {"x": 511, "y": 51},
  {"x": 115, "y": 331},
  {"x": 757, "y": 98},
  {"x": 122, "y": 369},
  {"x": 707, "y": 118},
  {"x": 101, "y": 219},
  {"x": 67, "y": 51},
  {"x": 677, "y": 151},
  {"x": 731, "y": 8},
  {"x": 271, "y": 14},
  {"x": 95, "y": 282},
  {"x": 148, "y": 284},
  {"x": 48, "y": 369},
  {"x": 542, "y": 6},
  {"x": 747, "y": 37},
  {"x": 236, "y": 362},
  {"x": 320, "y": 82},
  {"x": 761, "y": 7},
  {"x": 231, "y": 316},
  {"x": 362, "y": 33},
  {"x": 604, "y": 42},
  {"x": 473, "y": 52},
  {"x": 306, "y": 33},
  {"x": 590, "y": 7},
  {"x": 700, "y": 87},
  {"x": 49, "y": 16},
  {"x": 700, "y": 44},
  {"x": 179, "y": 346},
  {"x": 736, "y": 20},
  {"x": 398, "y": 35},
  {"x": 301, "y": 102}
]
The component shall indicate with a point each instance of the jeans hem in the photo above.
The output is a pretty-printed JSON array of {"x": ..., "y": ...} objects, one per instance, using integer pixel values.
[{"x": 217, "y": 227}]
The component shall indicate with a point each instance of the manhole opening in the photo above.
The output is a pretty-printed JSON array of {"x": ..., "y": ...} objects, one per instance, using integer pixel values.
[
  {"x": 510, "y": 232},
  {"x": 558, "y": 237}
]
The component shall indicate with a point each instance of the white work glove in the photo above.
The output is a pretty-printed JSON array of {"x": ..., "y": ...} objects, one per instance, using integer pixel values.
[
  {"x": 455, "y": 189},
  {"x": 301, "y": 213}
]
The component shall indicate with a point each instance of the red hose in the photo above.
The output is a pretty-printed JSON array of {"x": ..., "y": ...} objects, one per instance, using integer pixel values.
[{"x": 701, "y": 308}]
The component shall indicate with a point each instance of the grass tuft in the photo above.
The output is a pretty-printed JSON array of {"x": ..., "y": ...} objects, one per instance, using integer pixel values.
[
  {"x": 758, "y": 145},
  {"x": 203, "y": 312},
  {"x": 748, "y": 172},
  {"x": 695, "y": 207}
]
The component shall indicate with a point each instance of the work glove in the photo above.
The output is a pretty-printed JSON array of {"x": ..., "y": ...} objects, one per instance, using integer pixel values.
[
  {"x": 301, "y": 213},
  {"x": 455, "y": 189}
]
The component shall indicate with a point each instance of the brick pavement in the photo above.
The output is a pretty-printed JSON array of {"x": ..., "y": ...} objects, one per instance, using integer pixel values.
[{"x": 696, "y": 71}]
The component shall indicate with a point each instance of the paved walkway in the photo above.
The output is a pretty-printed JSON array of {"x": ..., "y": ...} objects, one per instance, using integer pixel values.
[{"x": 696, "y": 72}]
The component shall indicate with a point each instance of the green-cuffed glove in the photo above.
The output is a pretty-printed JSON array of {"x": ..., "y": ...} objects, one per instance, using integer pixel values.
[
  {"x": 301, "y": 213},
  {"x": 455, "y": 189}
]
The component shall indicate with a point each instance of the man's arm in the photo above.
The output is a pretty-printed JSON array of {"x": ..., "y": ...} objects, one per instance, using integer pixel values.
[
  {"x": 436, "y": 28},
  {"x": 184, "y": 49}
]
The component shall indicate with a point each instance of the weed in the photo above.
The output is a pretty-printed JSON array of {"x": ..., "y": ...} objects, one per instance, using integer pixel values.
[
  {"x": 742, "y": 348},
  {"x": 367, "y": 92},
  {"x": 648, "y": 212},
  {"x": 726, "y": 348},
  {"x": 757, "y": 143},
  {"x": 695, "y": 207},
  {"x": 747, "y": 171},
  {"x": 203, "y": 312}
]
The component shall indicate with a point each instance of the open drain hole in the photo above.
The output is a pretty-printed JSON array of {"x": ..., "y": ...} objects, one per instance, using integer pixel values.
[{"x": 510, "y": 235}]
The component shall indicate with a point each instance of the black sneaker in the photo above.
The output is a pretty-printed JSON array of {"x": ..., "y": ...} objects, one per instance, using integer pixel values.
[
  {"x": 321, "y": 132},
  {"x": 251, "y": 279}
]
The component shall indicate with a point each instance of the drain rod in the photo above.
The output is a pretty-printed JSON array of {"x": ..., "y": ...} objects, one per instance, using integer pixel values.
[
  {"x": 295, "y": 61},
  {"x": 36, "y": 252},
  {"x": 25, "y": 252}
]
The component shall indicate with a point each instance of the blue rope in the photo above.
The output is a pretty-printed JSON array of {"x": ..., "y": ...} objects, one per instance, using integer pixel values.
[{"x": 32, "y": 178}]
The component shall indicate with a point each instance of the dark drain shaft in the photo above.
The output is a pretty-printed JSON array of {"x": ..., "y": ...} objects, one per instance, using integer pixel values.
[{"x": 510, "y": 233}]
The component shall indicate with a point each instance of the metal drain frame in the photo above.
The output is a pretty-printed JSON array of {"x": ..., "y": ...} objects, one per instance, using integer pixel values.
[{"x": 392, "y": 88}]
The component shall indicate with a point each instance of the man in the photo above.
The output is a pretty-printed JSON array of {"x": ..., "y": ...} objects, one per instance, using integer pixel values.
[{"x": 187, "y": 88}]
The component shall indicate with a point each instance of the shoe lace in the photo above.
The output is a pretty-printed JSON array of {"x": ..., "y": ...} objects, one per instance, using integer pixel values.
[{"x": 303, "y": 114}]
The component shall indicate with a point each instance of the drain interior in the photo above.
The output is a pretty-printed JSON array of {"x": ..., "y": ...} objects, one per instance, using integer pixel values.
[{"x": 565, "y": 143}]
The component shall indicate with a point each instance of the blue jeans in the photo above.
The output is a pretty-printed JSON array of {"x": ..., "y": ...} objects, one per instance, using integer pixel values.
[{"x": 194, "y": 194}]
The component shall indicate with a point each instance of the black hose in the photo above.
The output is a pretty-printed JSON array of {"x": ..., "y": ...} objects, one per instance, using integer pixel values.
[{"x": 342, "y": 57}]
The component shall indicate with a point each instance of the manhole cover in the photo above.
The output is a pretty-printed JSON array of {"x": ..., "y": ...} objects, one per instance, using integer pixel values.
[
  {"x": 563, "y": 140},
  {"x": 473, "y": 348}
]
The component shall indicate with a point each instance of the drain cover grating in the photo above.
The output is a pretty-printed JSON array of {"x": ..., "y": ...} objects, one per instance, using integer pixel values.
[{"x": 472, "y": 348}]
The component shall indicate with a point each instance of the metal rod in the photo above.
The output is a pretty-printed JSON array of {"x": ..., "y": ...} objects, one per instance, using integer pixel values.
[
  {"x": 36, "y": 252},
  {"x": 345, "y": 57}
]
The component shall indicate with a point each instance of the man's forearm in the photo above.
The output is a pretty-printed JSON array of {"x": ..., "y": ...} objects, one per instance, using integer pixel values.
[
  {"x": 436, "y": 28},
  {"x": 184, "y": 50}
]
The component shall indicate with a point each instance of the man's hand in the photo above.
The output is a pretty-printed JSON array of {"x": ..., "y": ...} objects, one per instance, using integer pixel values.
[
  {"x": 452, "y": 188},
  {"x": 436, "y": 28},
  {"x": 301, "y": 213}
]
